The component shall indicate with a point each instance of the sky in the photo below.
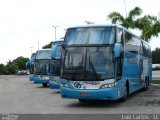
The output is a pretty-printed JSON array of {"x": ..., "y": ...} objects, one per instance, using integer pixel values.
[{"x": 27, "y": 24}]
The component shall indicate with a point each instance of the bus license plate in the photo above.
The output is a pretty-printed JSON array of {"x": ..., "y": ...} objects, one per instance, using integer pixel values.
[{"x": 84, "y": 94}]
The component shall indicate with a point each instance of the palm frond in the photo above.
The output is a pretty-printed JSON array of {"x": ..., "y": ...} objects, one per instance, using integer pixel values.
[
  {"x": 135, "y": 12},
  {"x": 116, "y": 17}
]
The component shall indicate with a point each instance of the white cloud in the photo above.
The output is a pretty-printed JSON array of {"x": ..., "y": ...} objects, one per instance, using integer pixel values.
[{"x": 25, "y": 22}]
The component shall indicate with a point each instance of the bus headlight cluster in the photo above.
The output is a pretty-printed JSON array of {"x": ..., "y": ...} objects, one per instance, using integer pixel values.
[
  {"x": 108, "y": 85},
  {"x": 45, "y": 77},
  {"x": 54, "y": 80},
  {"x": 64, "y": 85}
]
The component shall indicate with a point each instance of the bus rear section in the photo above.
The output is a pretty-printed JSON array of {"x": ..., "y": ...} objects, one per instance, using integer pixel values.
[{"x": 97, "y": 66}]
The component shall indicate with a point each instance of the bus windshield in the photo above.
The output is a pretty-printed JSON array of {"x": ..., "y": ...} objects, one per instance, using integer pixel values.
[
  {"x": 90, "y": 35},
  {"x": 43, "y": 54},
  {"x": 55, "y": 67},
  {"x": 88, "y": 63},
  {"x": 41, "y": 67}
]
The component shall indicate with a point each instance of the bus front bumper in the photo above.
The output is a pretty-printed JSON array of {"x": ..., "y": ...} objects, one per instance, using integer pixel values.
[
  {"x": 31, "y": 77},
  {"x": 38, "y": 80},
  {"x": 54, "y": 85},
  {"x": 98, "y": 94}
]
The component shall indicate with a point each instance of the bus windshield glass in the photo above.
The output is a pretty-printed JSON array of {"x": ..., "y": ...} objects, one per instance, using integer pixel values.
[
  {"x": 43, "y": 54},
  {"x": 41, "y": 67},
  {"x": 90, "y": 35},
  {"x": 88, "y": 63},
  {"x": 55, "y": 67}
]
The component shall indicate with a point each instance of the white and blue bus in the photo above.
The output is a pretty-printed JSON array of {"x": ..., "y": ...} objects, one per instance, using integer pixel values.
[
  {"x": 104, "y": 62},
  {"x": 41, "y": 71},
  {"x": 30, "y": 66},
  {"x": 55, "y": 64}
]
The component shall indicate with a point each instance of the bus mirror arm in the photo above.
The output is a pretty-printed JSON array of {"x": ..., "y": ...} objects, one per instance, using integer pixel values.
[{"x": 117, "y": 50}]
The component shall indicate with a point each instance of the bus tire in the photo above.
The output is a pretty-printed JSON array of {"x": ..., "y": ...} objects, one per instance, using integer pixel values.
[
  {"x": 148, "y": 81},
  {"x": 45, "y": 85},
  {"x": 82, "y": 100},
  {"x": 124, "y": 98},
  {"x": 145, "y": 85}
]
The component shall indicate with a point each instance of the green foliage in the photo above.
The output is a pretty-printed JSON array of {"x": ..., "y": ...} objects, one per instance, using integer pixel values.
[
  {"x": 128, "y": 22},
  {"x": 89, "y": 22},
  {"x": 20, "y": 62},
  {"x": 10, "y": 68},
  {"x": 2, "y": 69},
  {"x": 148, "y": 25},
  {"x": 156, "y": 81},
  {"x": 48, "y": 45},
  {"x": 13, "y": 66},
  {"x": 156, "y": 56}
]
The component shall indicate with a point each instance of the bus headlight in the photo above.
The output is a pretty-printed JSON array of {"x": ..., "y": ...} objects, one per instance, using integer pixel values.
[
  {"x": 46, "y": 77},
  {"x": 108, "y": 85},
  {"x": 64, "y": 85}
]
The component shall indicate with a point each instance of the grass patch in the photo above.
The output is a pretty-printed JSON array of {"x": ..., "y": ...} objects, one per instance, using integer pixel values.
[{"x": 156, "y": 81}]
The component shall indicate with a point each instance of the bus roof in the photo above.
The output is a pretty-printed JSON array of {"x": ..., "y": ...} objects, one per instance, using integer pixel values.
[
  {"x": 60, "y": 41},
  {"x": 103, "y": 25},
  {"x": 44, "y": 49},
  {"x": 108, "y": 25},
  {"x": 97, "y": 25}
]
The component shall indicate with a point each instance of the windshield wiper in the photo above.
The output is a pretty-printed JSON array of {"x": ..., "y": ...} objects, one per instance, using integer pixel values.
[
  {"x": 76, "y": 69},
  {"x": 93, "y": 70}
]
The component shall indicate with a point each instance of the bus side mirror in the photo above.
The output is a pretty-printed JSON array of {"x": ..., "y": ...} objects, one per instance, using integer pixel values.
[{"x": 117, "y": 50}]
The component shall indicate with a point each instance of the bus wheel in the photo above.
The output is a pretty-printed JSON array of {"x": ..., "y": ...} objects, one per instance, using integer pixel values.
[
  {"x": 145, "y": 85},
  {"x": 124, "y": 98},
  {"x": 82, "y": 100},
  {"x": 44, "y": 85}
]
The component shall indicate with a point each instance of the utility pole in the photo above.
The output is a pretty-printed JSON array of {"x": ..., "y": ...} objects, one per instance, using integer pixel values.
[
  {"x": 38, "y": 45},
  {"x": 55, "y": 31},
  {"x": 31, "y": 49},
  {"x": 125, "y": 7}
]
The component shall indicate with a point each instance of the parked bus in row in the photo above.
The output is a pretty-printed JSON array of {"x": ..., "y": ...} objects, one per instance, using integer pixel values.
[
  {"x": 42, "y": 67},
  {"x": 104, "y": 62},
  {"x": 55, "y": 64},
  {"x": 30, "y": 66}
]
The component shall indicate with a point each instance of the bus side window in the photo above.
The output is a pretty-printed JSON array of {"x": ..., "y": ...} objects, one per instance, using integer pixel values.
[
  {"x": 133, "y": 44},
  {"x": 120, "y": 60},
  {"x": 120, "y": 36},
  {"x": 146, "y": 51}
]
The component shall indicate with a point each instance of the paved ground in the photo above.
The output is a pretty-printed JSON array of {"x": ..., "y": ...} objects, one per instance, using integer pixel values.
[{"x": 19, "y": 95}]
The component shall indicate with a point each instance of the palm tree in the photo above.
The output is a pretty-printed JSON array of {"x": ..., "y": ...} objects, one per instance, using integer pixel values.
[
  {"x": 88, "y": 22},
  {"x": 128, "y": 22},
  {"x": 148, "y": 25}
]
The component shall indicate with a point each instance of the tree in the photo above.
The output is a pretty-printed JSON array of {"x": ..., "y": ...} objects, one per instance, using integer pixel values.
[
  {"x": 10, "y": 68},
  {"x": 148, "y": 25},
  {"x": 128, "y": 22},
  {"x": 2, "y": 67},
  {"x": 20, "y": 62},
  {"x": 89, "y": 22},
  {"x": 13, "y": 66},
  {"x": 49, "y": 45},
  {"x": 156, "y": 56}
]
